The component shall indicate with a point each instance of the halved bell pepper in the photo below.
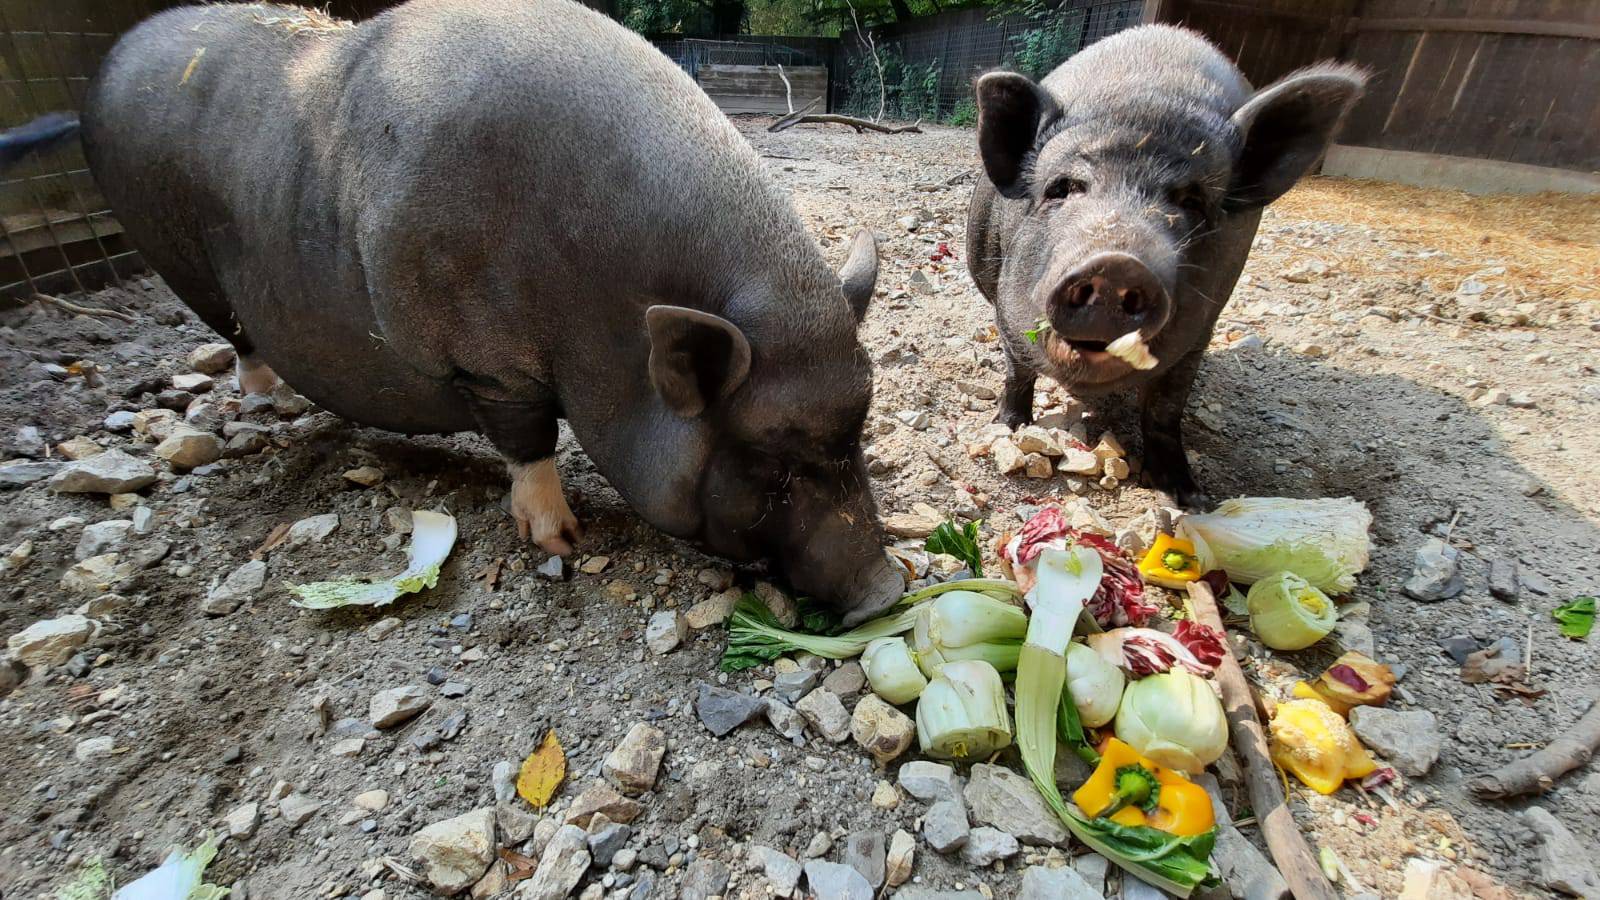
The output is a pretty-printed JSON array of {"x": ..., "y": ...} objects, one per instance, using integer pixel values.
[
  {"x": 1312, "y": 742},
  {"x": 1131, "y": 790},
  {"x": 1171, "y": 563}
]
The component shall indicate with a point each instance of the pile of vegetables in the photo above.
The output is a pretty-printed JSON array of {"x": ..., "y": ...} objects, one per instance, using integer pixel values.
[{"x": 1132, "y": 700}]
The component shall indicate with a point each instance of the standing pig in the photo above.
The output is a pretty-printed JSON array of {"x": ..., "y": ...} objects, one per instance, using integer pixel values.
[
  {"x": 1121, "y": 197},
  {"x": 494, "y": 214}
]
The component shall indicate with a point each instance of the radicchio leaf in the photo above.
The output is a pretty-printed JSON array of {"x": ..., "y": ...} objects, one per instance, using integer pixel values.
[
  {"x": 1349, "y": 677},
  {"x": 1203, "y": 641}
]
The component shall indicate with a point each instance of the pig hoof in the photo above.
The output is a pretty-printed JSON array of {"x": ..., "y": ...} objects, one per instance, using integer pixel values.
[
  {"x": 541, "y": 509},
  {"x": 255, "y": 376},
  {"x": 1012, "y": 419}
]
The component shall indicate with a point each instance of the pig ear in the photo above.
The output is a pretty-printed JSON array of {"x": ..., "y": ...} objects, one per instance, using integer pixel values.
[
  {"x": 696, "y": 358},
  {"x": 1012, "y": 110},
  {"x": 1285, "y": 129},
  {"x": 859, "y": 274}
]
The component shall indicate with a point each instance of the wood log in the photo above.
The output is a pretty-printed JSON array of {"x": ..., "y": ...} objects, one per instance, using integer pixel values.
[{"x": 1289, "y": 849}]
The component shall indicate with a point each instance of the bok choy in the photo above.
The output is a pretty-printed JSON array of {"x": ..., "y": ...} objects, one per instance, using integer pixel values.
[{"x": 1066, "y": 581}]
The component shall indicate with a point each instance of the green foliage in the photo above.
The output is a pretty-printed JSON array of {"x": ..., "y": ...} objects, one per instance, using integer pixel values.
[
  {"x": 960, "y": 542},
  {"x": 963, "y": 115},
  {"x": 909, "y": 91},
  {"x": 1037, "y": 51}
]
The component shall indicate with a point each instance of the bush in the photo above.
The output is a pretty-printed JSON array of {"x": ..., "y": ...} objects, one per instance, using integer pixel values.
[{"x": 963, "y": 115}]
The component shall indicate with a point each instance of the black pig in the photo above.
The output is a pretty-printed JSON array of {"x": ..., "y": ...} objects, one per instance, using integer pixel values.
[
  {"x": 1121, "y": 196},
  {"x": 493, "y": 214}
]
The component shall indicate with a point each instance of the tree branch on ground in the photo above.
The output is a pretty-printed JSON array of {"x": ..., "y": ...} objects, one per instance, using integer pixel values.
[{"x": 1537, "y": 772}]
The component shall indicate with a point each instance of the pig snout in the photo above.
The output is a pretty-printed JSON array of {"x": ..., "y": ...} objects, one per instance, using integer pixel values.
[
  {"x": 1104, "y": 298},
  {"x": 847, "y": 570},
  {"x": 878, "y": 584}
]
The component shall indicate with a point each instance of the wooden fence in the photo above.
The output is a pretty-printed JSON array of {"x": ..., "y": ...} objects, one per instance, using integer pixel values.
[{"x": 1513, "y": 81}]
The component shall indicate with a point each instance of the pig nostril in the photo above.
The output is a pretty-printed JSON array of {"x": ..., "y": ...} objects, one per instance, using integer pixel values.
[
  {"x": 1133, "y": 301},
  {"x": 1080, "y": 294}
]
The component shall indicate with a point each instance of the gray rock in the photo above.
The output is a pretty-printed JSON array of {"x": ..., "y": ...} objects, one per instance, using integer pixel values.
[
  {"x": 312, "y": 530},
  {"x": 1503, "y": 581},
  {"x": 391, "y": 707},
  {"x": 297, "y": 808},
  {"x": 921, "y": 892},
  {"x": 985, "y": 845},
  {"x": 240, "y": 585},
  {"x": 25, "y": 472},
  {"x": 1408, "y": 739},
  {"x": 847, "y": 680},
  {"x": 243, "y": 820},
  {"x": 632, "y": 765},
  {"x": 111, "y": 472},
  {"x": 1134, "y": 889},
  {"x": 791, "y": 686},
  {"x": 554, "y": 568},
  {"x": 1000, "y": 797},
  {"x": 722, "y": 710},
  {"x": 1247, "y": 872},
  {"x": 643, "y": 889},
  {"x": 604, "y": 844},
  {"x": 188, "y": 447},
  {"x": 782, "y": 870},
  {"x": 1564, "y": 863},
  {"x": 504, "y": 779},
  {"x": 866, "y": 852},
  {"x": 1094, "y": 869},
  {"x": 1040, "y": 883},
  {"x": 944, "y": 826},
  {"x": 832, "y": 881},
  {"x": 516, "y": 823},
  {"x": 1436, "y": 574},
  {"x": 91, "y": 749},
  {"x": 211, "y": 359},
  {"x": 455, "y": 853},
  {"x": 786, "y": 722},
  {"x": 928, "y": 781},
  {"x": 119, "y": 421},
  {"x": 703, "y": 879},
  {"x": 1459, "y": 647},
  {"x": 102, "y": 537},
  {"x": 561, "y": 866},
  {"x": 825, "y": 714},
  {"x": 50, "y": 642},
  {"x": 665, "y": 631}
]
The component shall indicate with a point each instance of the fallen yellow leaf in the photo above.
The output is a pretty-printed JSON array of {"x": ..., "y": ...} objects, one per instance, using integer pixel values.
[{"x": 542, "y": 771}]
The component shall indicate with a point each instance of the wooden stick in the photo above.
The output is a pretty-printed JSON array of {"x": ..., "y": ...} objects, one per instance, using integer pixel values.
[
  {"x": 788, "y": 119},
  {"x": 1537, "y": 772},
  {"x": 833, "y": 118},
  {"x": 75, "y": 309},
  {"x": 1289, "y": 849}
]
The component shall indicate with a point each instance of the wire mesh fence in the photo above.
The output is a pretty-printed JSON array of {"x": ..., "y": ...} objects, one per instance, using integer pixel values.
[
  {"x": 56, "y": 232},
  {"x": 928, "y": 65}
]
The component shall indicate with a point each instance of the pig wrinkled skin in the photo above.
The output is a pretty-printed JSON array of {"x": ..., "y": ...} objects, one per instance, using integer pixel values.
[
  {"x": 1121, "y": 194},
  {"x": 493, "y": 214}
]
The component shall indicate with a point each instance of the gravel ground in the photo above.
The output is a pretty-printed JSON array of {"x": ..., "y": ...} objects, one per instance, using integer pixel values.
[{"x": 1466, "y": 400}]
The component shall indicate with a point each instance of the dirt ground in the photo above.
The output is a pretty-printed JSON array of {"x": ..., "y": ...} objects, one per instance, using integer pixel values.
[{"x": 1436, "y": 358}]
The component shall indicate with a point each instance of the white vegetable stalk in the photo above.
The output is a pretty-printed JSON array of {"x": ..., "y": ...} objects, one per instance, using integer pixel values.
[
  {"x": 1174, "y": 719},
  {"x": 964, "y": 625},
  {"x": 1287, "y": 613},
  {"x": 1131, "y": 349},
  {"x": 432, "y": 536},
  {"x": 891, "y": 671},
  {"x": 1095, "y": 686},
  {"x": 961, "y": 714},
  {"x": 1066, "y": 580}
]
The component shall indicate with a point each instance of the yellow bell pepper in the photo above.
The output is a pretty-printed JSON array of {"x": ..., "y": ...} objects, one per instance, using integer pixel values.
[
  {"x": 1131, "y": 790},
  {"x": 1171, "y": 563},
  {"x": 1311, "y": 741}
]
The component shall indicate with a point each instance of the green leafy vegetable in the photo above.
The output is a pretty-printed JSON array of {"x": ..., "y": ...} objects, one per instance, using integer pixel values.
[
  {"x": 93, "y": 883},
  {"x": 1576, "y": 618},
  {"x": 755, "y": 635},
  {"x": 1175, "y": 864},
  {"x": 961, "y": 543},
  {"x": 1323, "y": 541},
  {"x": 432, "y": 536},
  {"x": 180, "y": 876},
  {"x": 1037, "y": 331},
  {"x": 1069, "y": 727}
]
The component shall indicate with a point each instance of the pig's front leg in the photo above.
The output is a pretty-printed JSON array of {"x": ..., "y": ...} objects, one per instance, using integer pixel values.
[
  {"x": 525, "y": 433},
  {"x": 1016, "y": 400},
  {"x": 1161, "y": 406}
]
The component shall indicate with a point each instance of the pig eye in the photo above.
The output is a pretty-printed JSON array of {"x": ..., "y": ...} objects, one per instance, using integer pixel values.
[
  {"x": 1189, "y": 198},
  {"x": 1062, "y": 188}
]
